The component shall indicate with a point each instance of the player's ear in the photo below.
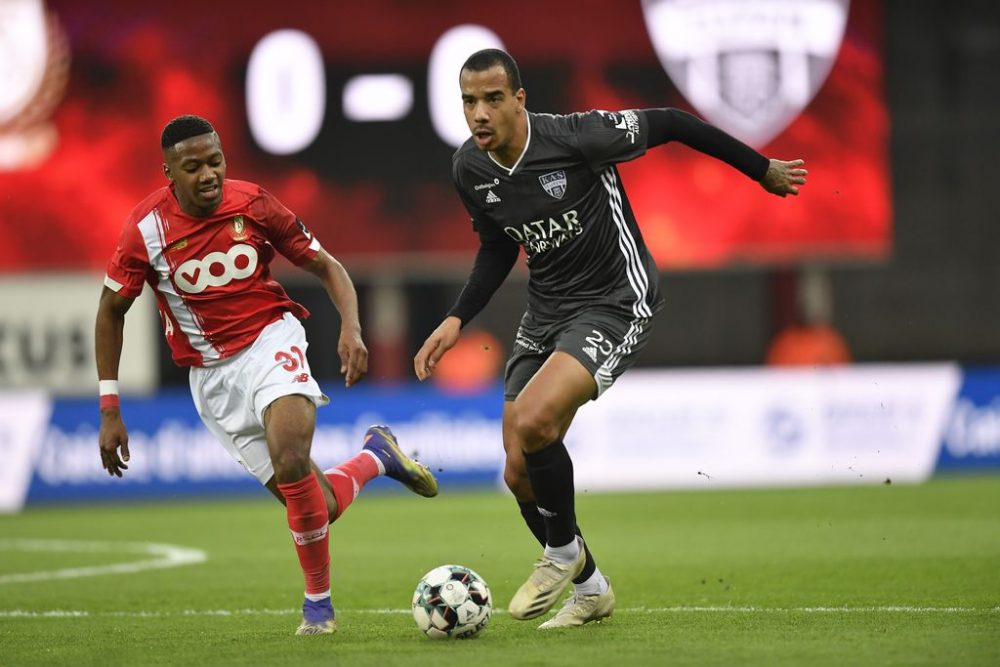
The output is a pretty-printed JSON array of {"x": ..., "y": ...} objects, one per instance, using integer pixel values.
[{"x": 166, "y": 172}]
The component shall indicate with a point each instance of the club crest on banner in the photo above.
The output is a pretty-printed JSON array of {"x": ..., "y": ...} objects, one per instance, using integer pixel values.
[
  {"x": 554, "y": 183},
  {"x": 34, "y": 71},
  {"x": 748, "y": 67}
]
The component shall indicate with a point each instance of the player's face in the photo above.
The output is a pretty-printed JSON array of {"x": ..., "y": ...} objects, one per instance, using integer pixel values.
[
  {"x": 197, "y": 168},
  {"x": 494, "y": 112}
]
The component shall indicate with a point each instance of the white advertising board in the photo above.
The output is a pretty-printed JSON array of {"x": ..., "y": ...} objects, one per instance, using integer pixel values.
[
  {"x": 47, "y": 335},
  {"x": 24, "y": 418},
  {"x": 764, "y": 426}
]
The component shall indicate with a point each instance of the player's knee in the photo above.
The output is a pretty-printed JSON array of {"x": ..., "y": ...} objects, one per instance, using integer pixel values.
[
  {"x": 289, "y": 442},
  {"x": 290, "y": 463},
  {"x": 535, "y": 428}
]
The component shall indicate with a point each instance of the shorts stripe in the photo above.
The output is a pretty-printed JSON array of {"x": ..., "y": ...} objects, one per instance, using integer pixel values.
[{"x": 605, "y": 374}]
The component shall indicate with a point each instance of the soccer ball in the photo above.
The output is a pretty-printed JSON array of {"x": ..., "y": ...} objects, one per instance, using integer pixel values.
[{"x": 452, "y": 601}]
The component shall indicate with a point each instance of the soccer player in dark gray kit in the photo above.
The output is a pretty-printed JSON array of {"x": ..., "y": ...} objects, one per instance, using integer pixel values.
[{"x": 548, "y": 183}]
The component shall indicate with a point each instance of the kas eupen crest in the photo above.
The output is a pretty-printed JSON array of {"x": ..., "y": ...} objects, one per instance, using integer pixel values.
[
  {"x": 749, "y": 68},
  {"x": 554, "y": 183}
]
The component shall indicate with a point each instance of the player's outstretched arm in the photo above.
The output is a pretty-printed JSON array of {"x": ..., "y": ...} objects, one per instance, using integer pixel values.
[
  {"x": 109, "y": 331},
  {"x": 338, "y": 284},
  {"x": 784, "y": 178},
  {"x": 776, "y": 176},
  {"x": 440, "y": 341}
]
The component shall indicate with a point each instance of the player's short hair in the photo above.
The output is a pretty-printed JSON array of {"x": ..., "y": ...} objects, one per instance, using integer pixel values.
[
  {"x": 184, "y": 127},
  {"x": 480, "y": 61}
]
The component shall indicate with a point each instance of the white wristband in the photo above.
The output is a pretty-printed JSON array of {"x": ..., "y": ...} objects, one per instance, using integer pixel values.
[{"x": 107, "y": 387}]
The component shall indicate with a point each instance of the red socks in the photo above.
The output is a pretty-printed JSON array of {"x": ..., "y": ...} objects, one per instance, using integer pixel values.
[
  {"x": 350, "y": 477},
  {"x": 307, "y": 519}
]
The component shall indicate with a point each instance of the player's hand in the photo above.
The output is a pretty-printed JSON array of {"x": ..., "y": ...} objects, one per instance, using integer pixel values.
[
  {"x": 440, "y": 341},
  {"x": 783, "y": 178},
  {"x": 111, "y": 438},
  {"x": 353, "y": 356}
]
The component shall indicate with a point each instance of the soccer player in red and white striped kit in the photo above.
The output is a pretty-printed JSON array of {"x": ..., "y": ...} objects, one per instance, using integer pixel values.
[{"x": 204, "y": 245}]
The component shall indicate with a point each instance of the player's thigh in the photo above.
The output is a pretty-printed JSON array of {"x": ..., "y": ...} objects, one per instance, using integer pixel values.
[
  {"x": 289, "y": 423},
  {"x": 554, "y": 393},
  {"x": 556, "y": 385}
]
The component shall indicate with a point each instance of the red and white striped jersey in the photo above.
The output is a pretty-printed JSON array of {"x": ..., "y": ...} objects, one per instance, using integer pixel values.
[{"x": 211, "y": 275}]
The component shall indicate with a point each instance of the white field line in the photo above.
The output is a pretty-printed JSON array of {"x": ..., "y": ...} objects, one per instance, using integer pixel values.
[
  {"x": 889, "y": 609},
  {"x": 152, "y": 556},
  {"x": 161, "y": 556}
]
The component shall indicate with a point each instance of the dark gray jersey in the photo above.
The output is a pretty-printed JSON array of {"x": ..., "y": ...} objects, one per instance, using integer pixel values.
[{"x": 564, "y": 203}]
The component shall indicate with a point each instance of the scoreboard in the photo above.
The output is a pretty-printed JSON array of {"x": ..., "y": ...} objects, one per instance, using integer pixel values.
[{"x": 349, "y": 113}]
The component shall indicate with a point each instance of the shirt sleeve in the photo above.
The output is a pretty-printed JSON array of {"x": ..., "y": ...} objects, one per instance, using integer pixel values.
[
  {"x": 287, "y": 233},
  {"x": 496, "y": 257},
  {"x": 609, "y": 137},
  {"x": 129, "y": 265},
  {"x": 494, "y": 260},
  {"x": 675, "y": 125}
]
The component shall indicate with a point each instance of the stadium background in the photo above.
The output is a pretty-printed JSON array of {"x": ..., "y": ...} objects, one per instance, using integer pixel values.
[{"x": 897, "y": 226}]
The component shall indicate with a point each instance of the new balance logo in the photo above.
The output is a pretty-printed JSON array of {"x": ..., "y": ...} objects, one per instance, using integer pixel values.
[
  {"x": 591, "y": 352},
  {"x": 491, "y": 198}
]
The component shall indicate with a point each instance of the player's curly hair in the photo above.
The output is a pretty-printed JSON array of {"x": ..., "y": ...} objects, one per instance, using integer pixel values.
[
  {"x": 480, "y": 61},
  {"x": 184, "y": 127}
]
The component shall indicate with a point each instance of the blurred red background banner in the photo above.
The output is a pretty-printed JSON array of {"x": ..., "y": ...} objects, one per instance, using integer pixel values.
[{"x": 342, "y": 111}]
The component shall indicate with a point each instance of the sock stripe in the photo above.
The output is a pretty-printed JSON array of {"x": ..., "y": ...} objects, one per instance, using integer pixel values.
[
  {"x": 378, "y": 461},
  {"x": 310, "y": 536}
]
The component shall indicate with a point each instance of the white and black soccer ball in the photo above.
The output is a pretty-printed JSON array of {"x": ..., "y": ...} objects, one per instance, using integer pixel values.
[{"x": 452, "y": 601}]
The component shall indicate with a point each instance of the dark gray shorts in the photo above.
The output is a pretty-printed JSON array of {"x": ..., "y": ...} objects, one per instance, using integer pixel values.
[{"x": 604, "y": 340}]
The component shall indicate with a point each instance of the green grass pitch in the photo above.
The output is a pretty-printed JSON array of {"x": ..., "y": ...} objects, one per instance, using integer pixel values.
[{"x": 881, "y": 575}]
